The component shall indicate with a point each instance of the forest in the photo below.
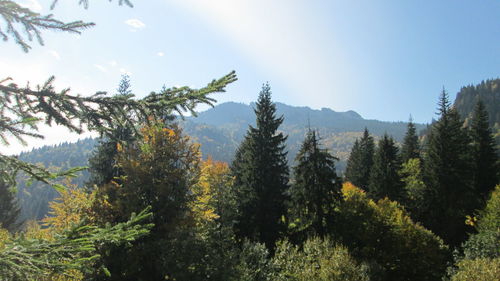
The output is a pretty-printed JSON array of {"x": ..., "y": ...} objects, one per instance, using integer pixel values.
[{"x": 153, "y": 208}]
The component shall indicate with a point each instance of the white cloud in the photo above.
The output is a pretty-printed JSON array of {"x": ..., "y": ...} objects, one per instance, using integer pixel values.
[
  {"x": 55, "y": 54},
  {"x": 113, "y": 63},
  {"x": 33, "y": 5},
  {"x": 135, "y": 23},
  {"x": 101, "y": 68},
  {"x": 124, "y": 71},
  {"x": 160, "y": 54}
]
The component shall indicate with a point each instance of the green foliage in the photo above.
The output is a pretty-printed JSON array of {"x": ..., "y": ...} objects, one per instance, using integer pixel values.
[
  {"x": 15, "y": 16},
  {"x": 486, "y": 242},
  {"x": 34, "y": 197},
  {"x": 483, "y": 269},
  {"x": 9, "y": 208},
  {"x": 254, "y": 263},
  {"x": 448, "y": 176},
  {"x": 488, "y": 92},
  {"x": 158, "y": 171},
  {"x": 385, "y": 237},
  {"x": 316, "y": 188},
  {"x": 411, "y": 147},
  {"x": 77, "y": 248},
  {"x": 360, "y": 161},
  {"x": 214, "y": 210},
  {"x": 97, "y": 112},
  {"x": 414, "y": 190},
  {"x": 484, "y": 155},
  {"x": 124, "y": 87},
  {"x": 318, "y": 259},
  {"x": 385, "y": 180},
  {"x": 261, "y": 176}
]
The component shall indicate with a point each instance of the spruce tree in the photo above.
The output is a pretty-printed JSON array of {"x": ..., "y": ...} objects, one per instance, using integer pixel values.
[
  {"x": 447, "y": 173},
  {"x": 385, "y": 180},
  {"x": 316, "y": 189},
  {"x": 9, "y": 209},
  {"x": 484, "y": 154},
  {"x": 360, "y": 161},
  {"x": 261, "y": 175},
  {"x": 102, "y": 163},
  {"x": 411, "y": 147}
]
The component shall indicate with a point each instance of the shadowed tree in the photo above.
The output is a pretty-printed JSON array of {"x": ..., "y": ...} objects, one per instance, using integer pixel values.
[
  {"x": 411, "y": 147},
  {"x": 360, "y": 161},
  {"x": 261, "y": 176},
  {"x": 448, "y": 176},
  {"x": 484, "y": 154},
  {"x": 316, "y": 189},
  {"x": 385, "y": 180}
]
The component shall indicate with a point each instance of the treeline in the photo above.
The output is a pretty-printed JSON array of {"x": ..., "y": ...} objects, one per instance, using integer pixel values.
[{"x": 425, "y": 211}]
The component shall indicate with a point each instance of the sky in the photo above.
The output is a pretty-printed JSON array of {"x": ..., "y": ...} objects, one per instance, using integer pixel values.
[{"x": 383, "y": 59}]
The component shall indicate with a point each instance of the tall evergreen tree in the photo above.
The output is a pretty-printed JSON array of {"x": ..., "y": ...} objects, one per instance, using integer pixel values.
[
  {"x": 124, "y": 87},
  {"x": 316, "y": 189},
  {"x": 102, "y": 163},
  {"x": 484, "y": 155},
  {"x": 261, "y": 175},
  {"x": 411, "y": 147},
  {"x": 360, "y": 161},
  {"x": 447, "y": 173},
  {"x": 9, "y": 209},
  {"x": 385, "y": 180}
]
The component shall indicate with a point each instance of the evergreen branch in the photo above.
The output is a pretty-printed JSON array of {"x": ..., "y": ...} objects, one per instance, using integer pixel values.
[
  {"x": 21, "y": 108},
  {"x": 85, "y": 3},
  {"x": 31, "y": 23},
  {"x": 29, "y": 259},
  {"x": 34, "y": 172}
]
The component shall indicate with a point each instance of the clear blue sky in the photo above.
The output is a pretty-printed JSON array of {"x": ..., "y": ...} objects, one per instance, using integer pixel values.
[{"x": 384, "y": 59}]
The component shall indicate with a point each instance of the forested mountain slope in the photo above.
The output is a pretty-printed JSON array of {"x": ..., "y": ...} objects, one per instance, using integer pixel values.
[
  {"x": 219, "y": 130},
  {"x": 34, "y": 198},
  {"x": 489, "y": 93}
]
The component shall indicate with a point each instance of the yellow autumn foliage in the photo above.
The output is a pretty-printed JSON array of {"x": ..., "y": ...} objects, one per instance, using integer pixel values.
[
  {"x": 213, "y": 176},
  {"x": 69, "y": 208}
]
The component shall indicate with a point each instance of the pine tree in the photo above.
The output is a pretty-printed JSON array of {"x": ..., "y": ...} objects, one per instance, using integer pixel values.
[
  {"x": 360, "y": 161},
  {"x": 447, "y": 173},
  {"x": 9, "y": 209},
  {"x": 411, "y": 147},
  {"x": 385, "y": 180},
  {"x": 261, "y": 175},
  {"x": 484, "y": 154},
  {"x": 316, "y": 189}
]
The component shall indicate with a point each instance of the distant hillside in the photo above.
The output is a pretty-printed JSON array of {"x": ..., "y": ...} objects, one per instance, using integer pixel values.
[
  {"x": 227, "y": 123},
  {"x": 34, "y": 198},
  {"x": 219, "y": 131},
  {"x": 489, "y": 93}
]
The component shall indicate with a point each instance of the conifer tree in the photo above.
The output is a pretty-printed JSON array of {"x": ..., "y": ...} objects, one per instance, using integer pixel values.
[
  {"x": 411, "y": 147},
  {"x": 158, "y": 171},
  {"x": 316, "y": 189},
  {"x": 447, "y": 173},
  {"x": 484, "y": 154},
  {"x": 102, "y": 163},
  {"x": 360, "y": 161},
  {"x": 261, "y": 175},
  {"x": 9, "y": 209},
  {"x": 385, "y": 180}
]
